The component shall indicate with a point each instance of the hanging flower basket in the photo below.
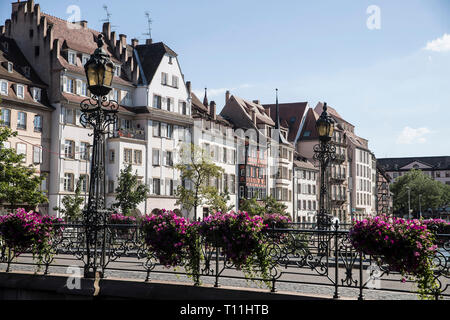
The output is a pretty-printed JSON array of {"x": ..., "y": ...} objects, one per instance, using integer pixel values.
[{"x": 405, "y": 246}]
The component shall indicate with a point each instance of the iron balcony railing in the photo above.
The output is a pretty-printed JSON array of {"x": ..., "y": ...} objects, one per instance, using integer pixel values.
[{"x": 294, "y": 252}]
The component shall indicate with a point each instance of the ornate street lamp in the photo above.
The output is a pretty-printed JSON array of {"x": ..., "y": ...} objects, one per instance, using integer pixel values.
[
  {"x": 98, "y": 113},
  {"x": 324, "y": 153}
]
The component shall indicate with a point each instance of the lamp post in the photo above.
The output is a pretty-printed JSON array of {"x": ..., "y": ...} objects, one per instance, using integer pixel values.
[
  {"x": 420, "y": 206},
  {"x": 324, "y": 152},
  {"x": 409, "y": 202},
  {"x": 98, "y": 113}
]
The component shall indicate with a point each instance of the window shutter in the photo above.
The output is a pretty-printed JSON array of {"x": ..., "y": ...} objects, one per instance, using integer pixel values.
[
  {"x": 78, "y": 84},
  {"x": 163, "y": 103},
  {"x": 62, "y": 149},
  {"x": 77, "y": 151},
  {"x": 162, "y": 187},
  {"x": 78, "y": 116}
]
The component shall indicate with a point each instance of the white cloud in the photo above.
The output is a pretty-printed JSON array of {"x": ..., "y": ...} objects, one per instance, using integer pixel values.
[
  {"x": 440, "y": 44},
  {"x": 412, "y": 136}
]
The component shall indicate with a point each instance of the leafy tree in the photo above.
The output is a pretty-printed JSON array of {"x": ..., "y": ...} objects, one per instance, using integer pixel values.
[
  {"x": 72, "y": 204},
  {"x": 434, "y": 194},
  {"x": 218, "y": 201},
  {"x": 130, "y": 192},
  {"x": 19, "y": 184},
  {"x": 252, "y": 207},
  {"x": 196, "y": 167},
  {"x": 268, "y": 205},
  {"x": 271, "y": 205}
]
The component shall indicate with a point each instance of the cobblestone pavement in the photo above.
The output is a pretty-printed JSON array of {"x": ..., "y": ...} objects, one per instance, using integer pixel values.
[{"x": 306, "y": 289}]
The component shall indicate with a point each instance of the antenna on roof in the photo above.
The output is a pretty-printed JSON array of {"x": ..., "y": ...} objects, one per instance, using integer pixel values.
[
  {"x": 108, "y": 15},
  {"x": 149, "y": 21}
]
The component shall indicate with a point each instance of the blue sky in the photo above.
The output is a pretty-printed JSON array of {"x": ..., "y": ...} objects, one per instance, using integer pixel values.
[{"x": 392, "y": 83}]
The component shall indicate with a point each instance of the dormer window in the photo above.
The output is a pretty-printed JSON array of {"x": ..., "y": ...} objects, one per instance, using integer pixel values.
[
  {"x": 6, "y": 46},
  {"x": 85, "y": 59},
  {"x": 27, "y": 71},
  {"x": 37, "y": 94},
  {"x": 72, "y": 58},
  {"x": 20, "y": 91},
  {"x": 10, "y": 67},
  {"x": 117, "y": 71},
  {"x": 4, "y": 87}
]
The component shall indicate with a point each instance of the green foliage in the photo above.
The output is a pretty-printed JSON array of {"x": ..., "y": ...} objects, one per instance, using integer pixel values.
[
  {"x": 197, "y": 167},
  {"x": 130, "y": 192},
  {"x": 268, "y": 206},
  {"x": 217, "y": 201},
  {"x": 18, "y": 184},
  {"x": 434, "y": 194},
  {"x": 72, "y": 204}
]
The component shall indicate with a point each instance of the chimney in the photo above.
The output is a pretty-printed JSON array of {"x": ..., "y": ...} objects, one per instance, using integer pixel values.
[
  {"x": 83, "y": 24},
  {"x": 256, "y": 101},
  {"x": 123, "y": 40},
  {"x": 113, "y": 40},
  {"x": 107, "y": 30},
  {"x": 134, "y": 42},
  {"x": 188, "y": 87},
  {"x": 30, "y": 5},
  {"x": 227, "y": 96},
  {"x": 212, "y": 110},
  {"x": 148, "y": 41},
  {"x": 253, "y": 114}
]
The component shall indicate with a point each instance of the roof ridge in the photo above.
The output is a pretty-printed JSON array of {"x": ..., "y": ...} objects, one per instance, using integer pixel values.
[{"x": 62, "y": 20}]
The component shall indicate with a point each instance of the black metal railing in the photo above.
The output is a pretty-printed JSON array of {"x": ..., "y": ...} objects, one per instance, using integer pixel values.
[{"x": 294, "y": 255}]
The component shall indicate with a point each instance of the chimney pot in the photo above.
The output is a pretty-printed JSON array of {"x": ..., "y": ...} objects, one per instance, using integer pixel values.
[
  {"x": 227, "y": 96},
  {"x": 148, "y": 41},
  {"x": 188, "y": 87},
  {"x": 212, "y": 110},
  {"x": 134, "y": 42},
  {"x": 107, "y": 30}
]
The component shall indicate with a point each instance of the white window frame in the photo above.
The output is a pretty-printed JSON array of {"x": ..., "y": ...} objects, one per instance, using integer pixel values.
[
  {"x": 10, "y": 67},
  {"x": 37, "y": 94},
  {"x": 69, "y": 149},
  {"x": 68, "y": 182},
  {"x": 23, "y": 151},
  {"x": 20, "y": 91},
  {"x": 4, "y": 123},
  {"x": 37, "y": 155},
  {"x": 70, "y": 55},
  {"x": 85, "y": 59},
  {"x": 4, "y": 87},
  {"x": 24, "y": 127}
]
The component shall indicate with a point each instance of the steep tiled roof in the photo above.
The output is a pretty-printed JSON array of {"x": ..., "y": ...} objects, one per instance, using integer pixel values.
[
  {"x": 19, "y": 76},
  {"x": 14, "y": 55},
  {"x": 197, "y": 104},
  {"x": 291, "y": 115},
  {"x": 150, "y": 56},
  {"x": 309, "y": 131},
  {"x": 393, "y": 164},
  {"x": 82, "y": 40},
  {"x": 261, "y": 116}
]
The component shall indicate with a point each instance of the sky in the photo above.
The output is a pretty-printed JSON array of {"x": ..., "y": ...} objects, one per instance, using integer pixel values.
[{"x": 383, "y": 65}]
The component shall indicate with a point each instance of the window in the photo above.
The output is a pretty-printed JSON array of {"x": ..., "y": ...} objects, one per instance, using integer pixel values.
[
  {"x": 36, "y": 51},
  {"x": 37, "y": 94},
  {"x": 127, "y": 156},
  {"x": 169, "y": 159},
  {"x": 182, "y": 107},
  {"x": 84, "y": 182},
  {"x": 125, "y": 124},
  {"x": 84, "y": 91},
  {"x": 72, "y": 58},
  {"x": 84, "y": 151},
  {"x": 22, "y": 120},
  {"x": 20, "y": 91},
  {"x": 156, "y": 129},
  {"x": 69, "y": 149},
  {"x": 4, "y": 87},
  {"x": 175, "y": 81},
  {"x": 21, "y": 149},
  {"x": 156, "y": 157},
  {"x": 170, "y": 60},
  {"x": 5, "y": 118},
  {"x": 112, "y": 156},
  {"x": 10, "y": 67},
  {"x": 70, "y": 85},
  {"x": 233, "y": 184},
  {"x": 69, "y": 116},
  {"x": 164, "y": 78},
  {"x": 138, "y": 157},
  {"x": 27, "y": 70},
  {"x": 157, "y": 186},
  {"x": 157, "y": 102},
  {"x": 6, "y": 144},
  {"x": 117, "y": 71},
  {"x": 85, "y": 59},
  {"x": 241, "y": 192},
  {"x": 115, "y": 93},
  {"x": 37, "y": 123},
  {"x": 169, "y": 104},
  {"x": 126, "y": 98},
  {"x": 111, "y": 186},
  {"x": 68, "y": 182}
]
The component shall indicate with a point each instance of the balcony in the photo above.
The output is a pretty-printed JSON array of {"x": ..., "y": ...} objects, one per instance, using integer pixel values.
[
  {"x": 138, "y": 134},
  {"x": 339, "y": 158},
  {"x": 338, "y": 198},
  {"x": 338, "y": 178}
]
